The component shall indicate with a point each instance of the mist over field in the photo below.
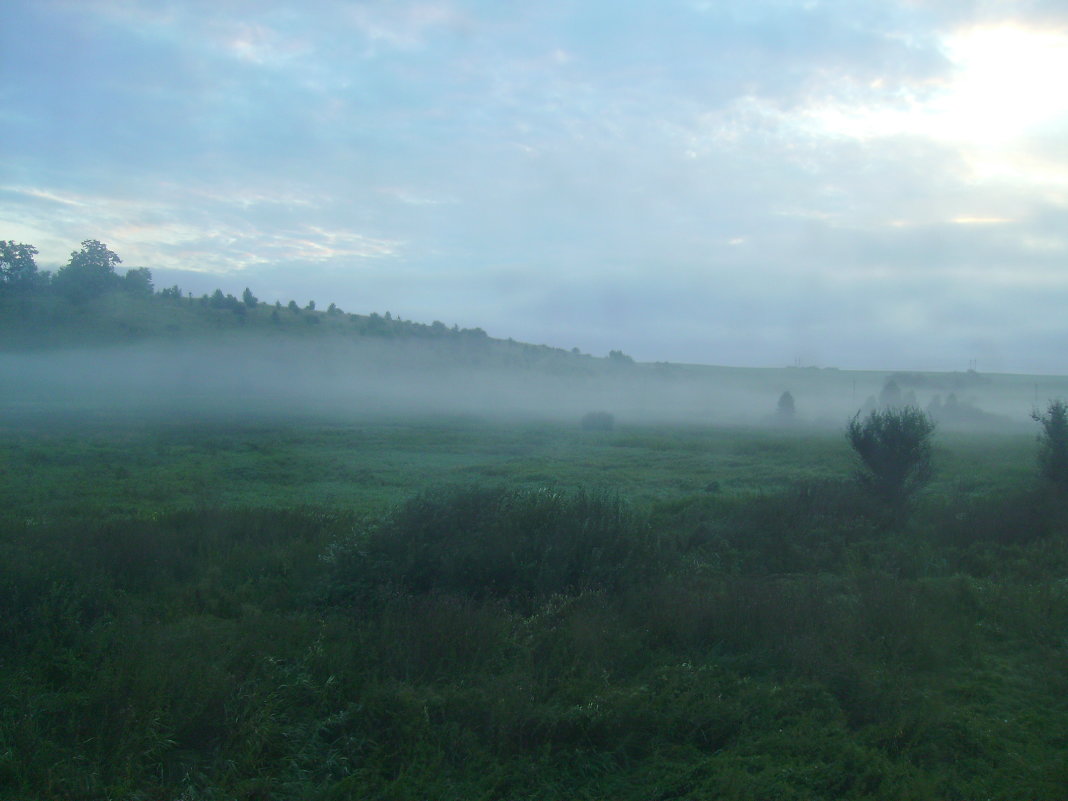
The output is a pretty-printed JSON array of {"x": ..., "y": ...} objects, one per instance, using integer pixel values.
[
  {"x": 354, "y": 379},
  {"x": 449, "y": 399}
]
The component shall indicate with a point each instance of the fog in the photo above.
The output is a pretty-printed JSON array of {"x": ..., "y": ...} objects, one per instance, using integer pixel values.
[{"x": 354, "y": 380}]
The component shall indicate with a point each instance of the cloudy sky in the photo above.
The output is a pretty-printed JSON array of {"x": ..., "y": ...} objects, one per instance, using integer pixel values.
[{"x": 853, "y": 184}]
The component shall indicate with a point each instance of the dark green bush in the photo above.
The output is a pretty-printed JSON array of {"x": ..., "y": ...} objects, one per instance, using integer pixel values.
[
  {"x": 498, "y": 543},
  {"x": 1053, "y": 443},
  {"x": 805, "y": 528},
  {"x": 894, "y": 447}
]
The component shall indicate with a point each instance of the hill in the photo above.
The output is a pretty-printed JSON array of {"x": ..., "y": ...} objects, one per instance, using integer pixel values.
[{"x": 128, "y": 344}]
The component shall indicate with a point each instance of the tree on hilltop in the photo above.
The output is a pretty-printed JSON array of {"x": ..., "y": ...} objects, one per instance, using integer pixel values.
[
  {"x": 89, "y": 273},
  {"x": 139, "y": 281},
  {"x": 18, "y": 269}
]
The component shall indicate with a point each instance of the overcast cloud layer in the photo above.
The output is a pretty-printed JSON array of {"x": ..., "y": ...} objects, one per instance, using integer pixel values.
[{"x": 880, "y": 184}]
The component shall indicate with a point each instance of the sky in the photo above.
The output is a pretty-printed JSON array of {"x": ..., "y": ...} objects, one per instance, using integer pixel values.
[{"x": 868, "y": 185}]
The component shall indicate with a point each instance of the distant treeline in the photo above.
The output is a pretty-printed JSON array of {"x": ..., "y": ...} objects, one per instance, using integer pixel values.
[
  {"x": 91, "y": 273},
  {"x": 78, "y": 291}
]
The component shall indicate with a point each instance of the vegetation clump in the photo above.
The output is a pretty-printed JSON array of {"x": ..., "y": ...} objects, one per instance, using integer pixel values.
[
  {"x": 785, "y": 409},
  {"x": 498, "y": 543},
  {"x": 1053, "y": 443},
  {"x": 894, "y": 447},
  {"x": 513, "y": 642}
]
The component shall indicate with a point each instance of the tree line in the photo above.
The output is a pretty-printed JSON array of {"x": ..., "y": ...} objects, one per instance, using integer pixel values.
[
  {"x": 89, "y": 273},
  {"x": 92, "y": 271}
]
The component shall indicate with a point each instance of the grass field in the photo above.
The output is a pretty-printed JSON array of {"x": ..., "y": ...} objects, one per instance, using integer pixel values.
[{"x": 466, "y": 608}]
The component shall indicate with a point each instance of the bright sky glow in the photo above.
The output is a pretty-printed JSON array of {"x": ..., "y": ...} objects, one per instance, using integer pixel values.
[
  {"x": 1009, "y": 82},
  {"x": 1006, "y": 83},
  {"x": 871, "y": 184}
]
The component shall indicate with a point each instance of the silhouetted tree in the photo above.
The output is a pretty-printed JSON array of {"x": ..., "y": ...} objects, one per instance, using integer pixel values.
[
  {"x": 89, "y": 273},
  {"x": 785, "y": 409},
  {"x": 890, "y": 396},
  {"x": 894, "y": 446},
  {"x": 249, "y": 299},
  {"x": 1053, "y": 443},
  {"x": 18, "y": 269},
  {"x": 293, "y": 307},
  {"x": 138, "y": 281}
]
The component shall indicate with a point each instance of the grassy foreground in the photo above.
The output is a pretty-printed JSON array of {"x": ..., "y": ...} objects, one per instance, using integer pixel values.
[{"x": 459, "y": 609}]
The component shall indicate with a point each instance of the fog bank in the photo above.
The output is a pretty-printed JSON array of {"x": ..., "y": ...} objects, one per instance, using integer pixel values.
[{"x": 360, "y": 379}]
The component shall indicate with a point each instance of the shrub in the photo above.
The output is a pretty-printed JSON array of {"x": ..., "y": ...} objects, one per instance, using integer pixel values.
[
  {"x": 497, "y": 543},
  {"x": 1053, "y": 443},
  {"x": 785, "y": 409},
  {"x": 894, "y": 447}
]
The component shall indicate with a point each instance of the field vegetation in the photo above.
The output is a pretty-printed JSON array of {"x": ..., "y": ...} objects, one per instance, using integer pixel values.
[
  {"x": 427, "y": 564},
  {"x": 458, "y": 608}
]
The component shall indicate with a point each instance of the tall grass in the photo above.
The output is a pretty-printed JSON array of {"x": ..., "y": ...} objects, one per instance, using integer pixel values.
[
  {"x": 523, "y": 545},
  {"x": 515, "y": 642}
]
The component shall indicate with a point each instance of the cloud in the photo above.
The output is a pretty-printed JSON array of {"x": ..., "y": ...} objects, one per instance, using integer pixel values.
[{"x": 228, "y": 234}]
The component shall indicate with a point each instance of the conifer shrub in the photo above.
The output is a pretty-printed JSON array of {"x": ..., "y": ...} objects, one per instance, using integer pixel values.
[
  {"x": 894, "y": 448},
  {"x": 1053, "y": 444}
]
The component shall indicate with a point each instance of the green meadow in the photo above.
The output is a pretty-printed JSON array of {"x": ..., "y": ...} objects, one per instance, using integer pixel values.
[
  {"x": 462, "y": 607},
  {"x": 252, "y": 552}
]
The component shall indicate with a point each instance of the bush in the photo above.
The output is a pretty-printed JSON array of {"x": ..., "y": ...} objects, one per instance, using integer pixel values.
[
  {"x": 1053, "y": 443},
  {"x": 497, "y": 543},
  {"x": 785, "y": 409},
  {"x": 894, "y": 446},
  {"x": 598, "y": 421}
]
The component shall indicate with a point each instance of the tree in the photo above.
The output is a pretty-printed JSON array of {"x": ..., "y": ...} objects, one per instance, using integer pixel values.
[
  {"x": 249, "y": 299},
  {"x": 894, "y": 447},
  {"x": 1053, "y": 443},
  {"x": 785, "y": 408},
  {"x": 890, "y": 397},
  {"x": 89, "y": 273},
  {"x": 139, "y": 281},
  {"x": 18, "y": 269}
]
